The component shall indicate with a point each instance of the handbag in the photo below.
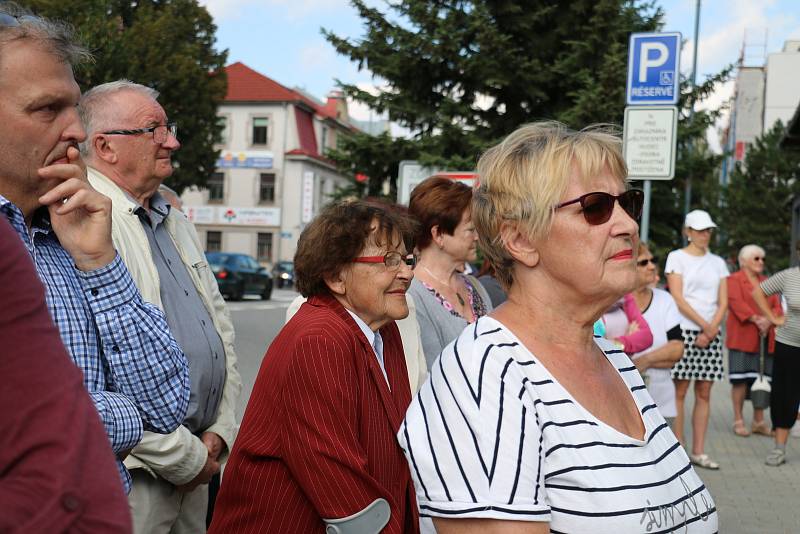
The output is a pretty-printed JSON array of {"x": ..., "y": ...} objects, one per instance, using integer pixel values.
[{"x": 761, "y": 389}]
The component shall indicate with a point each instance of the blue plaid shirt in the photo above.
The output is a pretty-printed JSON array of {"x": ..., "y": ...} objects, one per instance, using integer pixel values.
[{"x": 132, "y": 367}]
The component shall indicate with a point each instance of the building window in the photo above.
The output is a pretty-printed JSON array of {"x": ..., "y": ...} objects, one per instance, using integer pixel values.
[
  {"x": 213, "y": 241},
  {"x": 216, "y": 187},
  {"x": 260, "y": 127},
  {"x": 266, "y": 188},
  {"x": 224, "y": 124},
  {"x": 324, "y": 143},
  {"x": 264, "y": 249}
]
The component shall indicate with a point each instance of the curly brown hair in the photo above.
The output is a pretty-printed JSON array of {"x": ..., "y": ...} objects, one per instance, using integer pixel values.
[
  {"x": 338, "y": 235},
  {"x": 438, "y": 202}
]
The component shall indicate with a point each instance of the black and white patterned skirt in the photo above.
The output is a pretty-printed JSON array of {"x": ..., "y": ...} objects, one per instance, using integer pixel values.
[
  {"x": 697, "y": 363},
  {"x": 743, "y": 367}
]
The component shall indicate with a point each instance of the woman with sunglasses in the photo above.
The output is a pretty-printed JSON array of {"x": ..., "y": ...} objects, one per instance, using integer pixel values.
[
  {"x": 528, "y": 423},
  {"x": 317, "y": 450},
  {"x": 661, "y": 313},
  {"x": 743, "y": 331},
  {"x": 446, "y": 299},
  {"x": 696, "y": 280}
]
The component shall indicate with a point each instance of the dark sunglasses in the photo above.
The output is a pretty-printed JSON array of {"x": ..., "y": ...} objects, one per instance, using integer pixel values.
[
  {"x": 642, "y": 263},
  {"x": 597, "y": 207},
  {"x": 758, "y": 258}
]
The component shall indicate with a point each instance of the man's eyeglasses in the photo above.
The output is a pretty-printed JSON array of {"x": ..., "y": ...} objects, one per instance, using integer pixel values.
[
  {"x": 10, "y": 21},
  {"x": 643, "y": 263},
  {"x": 598, "y": 206},
  {"x": 759, "y": 258},
  {"x": 161, "y": 132},
  {"x": 392, "y": 260}
]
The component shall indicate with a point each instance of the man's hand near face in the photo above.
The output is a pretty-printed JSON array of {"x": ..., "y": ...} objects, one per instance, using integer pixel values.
[{"x": 81, "y": 217}]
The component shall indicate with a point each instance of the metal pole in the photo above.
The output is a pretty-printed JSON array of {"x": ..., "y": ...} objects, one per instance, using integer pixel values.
[
  {"x": 687, "y": 196},
  {"x": 644, "y": 229}
]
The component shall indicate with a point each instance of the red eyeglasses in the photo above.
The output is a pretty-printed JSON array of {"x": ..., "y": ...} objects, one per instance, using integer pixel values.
[
  {"x": 392, "y": 260},
  {"x": 598, "y": 206}
]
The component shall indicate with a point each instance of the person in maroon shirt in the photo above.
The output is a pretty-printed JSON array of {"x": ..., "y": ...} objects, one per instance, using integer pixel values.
[
  {"x": 317, "y": 446},
  {"x": 57, "y": 470}
]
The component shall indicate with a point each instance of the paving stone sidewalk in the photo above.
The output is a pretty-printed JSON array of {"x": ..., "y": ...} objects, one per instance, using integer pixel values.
[{"x": 752, "y": 498}]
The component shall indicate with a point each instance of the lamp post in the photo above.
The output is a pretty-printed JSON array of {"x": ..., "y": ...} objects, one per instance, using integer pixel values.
[{"x": 687, "y": 196}]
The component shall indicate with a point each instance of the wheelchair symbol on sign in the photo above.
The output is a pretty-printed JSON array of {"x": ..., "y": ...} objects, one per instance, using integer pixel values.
[{"x": 665, "y": 77}]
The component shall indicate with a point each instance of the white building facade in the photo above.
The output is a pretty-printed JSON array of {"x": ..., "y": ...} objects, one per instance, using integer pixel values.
[
  {"x": 272, "y": 176},
  {"x": 762, "y": 96}
]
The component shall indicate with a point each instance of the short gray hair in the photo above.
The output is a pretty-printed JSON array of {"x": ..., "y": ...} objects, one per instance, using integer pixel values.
[
  {"x": 94, "y": 112},
  {"x": 748, "y": 251},
  {"x": 57, "y": 36}
]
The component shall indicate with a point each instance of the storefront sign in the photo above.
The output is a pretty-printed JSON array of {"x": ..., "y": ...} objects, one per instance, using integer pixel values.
[
  {"x": 225, "y": 215},
  {"x": 245, "y": 160}
]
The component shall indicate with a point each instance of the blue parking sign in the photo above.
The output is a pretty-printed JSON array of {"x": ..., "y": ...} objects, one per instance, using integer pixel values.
[{"x": 653, "y": 68}]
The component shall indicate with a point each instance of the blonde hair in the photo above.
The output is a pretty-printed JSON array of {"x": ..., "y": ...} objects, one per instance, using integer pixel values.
[{"x": 524, "y": 177}]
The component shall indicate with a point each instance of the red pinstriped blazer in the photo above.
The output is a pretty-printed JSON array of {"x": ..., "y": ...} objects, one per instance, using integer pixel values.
[{"x": 318, "y": 436}]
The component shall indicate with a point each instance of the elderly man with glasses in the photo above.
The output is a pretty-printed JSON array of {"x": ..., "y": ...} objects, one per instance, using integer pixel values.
[
  {"x": 128, "y": 149},
  {"x": 132, "y": 367}
]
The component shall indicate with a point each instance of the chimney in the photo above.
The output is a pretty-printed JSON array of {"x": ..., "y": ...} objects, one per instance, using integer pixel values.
[{"x": 337, "y": 105}]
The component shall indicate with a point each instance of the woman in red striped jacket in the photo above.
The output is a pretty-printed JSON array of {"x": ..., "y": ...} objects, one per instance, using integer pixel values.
[{"x": 317, "y": 445}]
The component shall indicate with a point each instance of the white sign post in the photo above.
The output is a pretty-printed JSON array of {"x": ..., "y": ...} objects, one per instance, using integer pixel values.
[{"x": 651, "y": 129}]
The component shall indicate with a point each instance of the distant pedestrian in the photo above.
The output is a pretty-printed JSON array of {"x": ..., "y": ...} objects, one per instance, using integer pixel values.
[
  {"x": 785, "y": 396},
  {"x": 696, "y": 279},
  {"x": 661, "y": 313},
  {"x": 744, "y": 328},
  {"x": 624, "y": 324},
  {"x": 172, "y": 197},
  {"x": 446, "y": 299}
]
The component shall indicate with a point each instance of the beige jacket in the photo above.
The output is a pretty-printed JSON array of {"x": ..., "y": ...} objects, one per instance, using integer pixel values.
[{"x": 177, "y": 457}]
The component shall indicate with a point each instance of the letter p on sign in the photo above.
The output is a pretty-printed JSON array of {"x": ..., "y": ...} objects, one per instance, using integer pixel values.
[{"x": 651, "y": 61}]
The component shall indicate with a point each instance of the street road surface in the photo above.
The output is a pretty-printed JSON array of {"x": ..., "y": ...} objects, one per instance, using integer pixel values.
[{"x": 257, "y": 322}]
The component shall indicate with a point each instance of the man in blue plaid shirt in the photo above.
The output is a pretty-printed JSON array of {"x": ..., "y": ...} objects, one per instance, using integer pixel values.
[{"x": 132, "y": 366}]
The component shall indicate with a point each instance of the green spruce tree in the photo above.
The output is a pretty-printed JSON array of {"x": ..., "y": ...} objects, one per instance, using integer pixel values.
[
  {"x": 460, "y": 75},
  {"x": 166, "y": 44},
  {"x": 758, "y": 200}
]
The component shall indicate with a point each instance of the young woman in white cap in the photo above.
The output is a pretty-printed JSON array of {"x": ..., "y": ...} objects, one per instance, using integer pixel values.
[{"x": 696, "y": 279}]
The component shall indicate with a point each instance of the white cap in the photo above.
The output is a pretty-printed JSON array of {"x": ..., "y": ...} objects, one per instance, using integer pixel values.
[{"x": 698, "y": 220}]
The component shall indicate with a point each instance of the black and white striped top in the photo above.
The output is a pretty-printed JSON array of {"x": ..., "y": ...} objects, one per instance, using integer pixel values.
[
  {"x": 787, "y": 282},
  {"x": 491, "y": 434}
]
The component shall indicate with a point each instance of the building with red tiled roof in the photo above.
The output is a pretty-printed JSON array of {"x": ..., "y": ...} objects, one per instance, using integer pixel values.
[{"x": 272, "y": 175}]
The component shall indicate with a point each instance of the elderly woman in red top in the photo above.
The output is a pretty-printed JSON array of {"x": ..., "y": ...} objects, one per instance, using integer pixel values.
[
  {"x": 744, "y": 325},
  {"x": 317, "y": 449}
]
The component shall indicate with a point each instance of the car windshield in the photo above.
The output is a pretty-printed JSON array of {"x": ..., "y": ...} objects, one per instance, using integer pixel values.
[
  {"x": 286, "y": 266},
  {"x": 216, "y": 258}
]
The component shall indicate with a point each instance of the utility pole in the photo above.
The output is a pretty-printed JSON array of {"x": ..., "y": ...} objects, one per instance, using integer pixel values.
[{"x": 687, "y": 194}]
